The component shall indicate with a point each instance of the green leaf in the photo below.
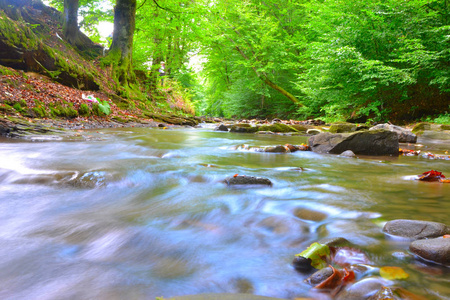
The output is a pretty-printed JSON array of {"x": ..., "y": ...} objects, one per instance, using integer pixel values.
[
  {"x": 104, "y": 107},
  {"x": 318, "y": 254}
]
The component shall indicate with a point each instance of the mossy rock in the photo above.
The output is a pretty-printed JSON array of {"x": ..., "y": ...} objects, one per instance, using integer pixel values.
[
  {"x": 243, "y": 129},
  {"x": 445, "y": 127},
  {"x": 420, "y": 127},
  {"x": 277, "y": 127},
  {"x": 342, "y": 127}
]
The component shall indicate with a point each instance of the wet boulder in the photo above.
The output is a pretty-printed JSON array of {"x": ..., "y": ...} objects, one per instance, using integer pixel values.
[
  {"x": 277, "y": 127},
  {"x": 302, "y": 264},
  {"x": 247, "y": 180},
  {"x": 276, "y": 149},
  {"x": 362, "y": 289},
  {"x": 243, "y": 128},
  {"x": 319, "y": 276},
  {"x": 436, "y": 250},
  {"x": 348, "y": 153},
  {"x": 415, "y": 229},
  {"x": 404, "y": 135},
  {"x": 221, "y": 127},
  {"x": 376, "y": 142}
]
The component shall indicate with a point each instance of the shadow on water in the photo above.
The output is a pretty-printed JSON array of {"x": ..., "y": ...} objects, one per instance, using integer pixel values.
[{"x": 141, "y": 213}]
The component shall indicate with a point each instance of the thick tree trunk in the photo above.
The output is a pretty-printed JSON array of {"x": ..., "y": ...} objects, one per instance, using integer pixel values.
[
  {"x": 122, "y": 44},
  {"x": 73, "y": 34},
  {"x": 70, "y": 26}
]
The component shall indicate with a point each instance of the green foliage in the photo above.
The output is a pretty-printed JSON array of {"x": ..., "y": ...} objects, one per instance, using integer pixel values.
[
  {"x": 40, "y": 111},
  {"x": 104, "y": 107},
  {"x": 18, "y": 107},
  {"x": 369, "y": 59},
  {"x": 84, "y": 110}
]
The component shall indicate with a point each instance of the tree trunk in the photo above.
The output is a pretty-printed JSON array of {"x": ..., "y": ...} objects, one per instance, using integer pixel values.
[
  {"x": 122, "y": 44},
  {"x": 73, "y": 34},
  {"x": 70, "y": 26}
]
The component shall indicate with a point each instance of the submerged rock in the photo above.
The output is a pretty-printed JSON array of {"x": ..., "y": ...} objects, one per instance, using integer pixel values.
[
  {"x": 247, "y": 180},
  {"x": 319, "y": 276},
  {"x": 309, "y": 214},
  {"x": 404, "y": 135},
  {"x": 435, "y": 250},
  {"x": 362, "y": 289},
  {"x": 376, "y": 142},
  {"x": 415, "y": 229}
]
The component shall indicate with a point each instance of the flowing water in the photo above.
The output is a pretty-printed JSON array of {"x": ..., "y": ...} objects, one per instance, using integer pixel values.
[{"x": 140, "y": 213}]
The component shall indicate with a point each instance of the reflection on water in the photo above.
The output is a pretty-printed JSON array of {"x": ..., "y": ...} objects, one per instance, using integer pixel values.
[{"x": 141, "y": 213}]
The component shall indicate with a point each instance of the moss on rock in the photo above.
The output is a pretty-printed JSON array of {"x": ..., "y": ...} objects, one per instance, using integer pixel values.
[
  {"x": 277, "y": 127},
  {"x": 420, "y": 127},
  {"x": 341, "y": 127}
]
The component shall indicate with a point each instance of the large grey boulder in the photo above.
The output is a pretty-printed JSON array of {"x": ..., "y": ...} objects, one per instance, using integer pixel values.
[
  {"x": 404, "y": 135},
  {"x": 375, "y": 142},
  {"x": 435, "y": 250},
  {"x": 415, "y": 229}
]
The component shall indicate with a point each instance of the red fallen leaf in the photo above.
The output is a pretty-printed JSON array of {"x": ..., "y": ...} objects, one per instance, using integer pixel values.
[
  {"x": 331, "y": 282},
  {"x": 431, "y": 176},
  {"x": 349, "y": 276}
]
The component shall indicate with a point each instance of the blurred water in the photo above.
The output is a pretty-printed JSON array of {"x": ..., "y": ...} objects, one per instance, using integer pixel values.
[{"x": 141, "y": 213}]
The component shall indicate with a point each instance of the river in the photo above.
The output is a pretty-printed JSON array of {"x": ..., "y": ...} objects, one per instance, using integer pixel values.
[{"x": 139, "y": 213}]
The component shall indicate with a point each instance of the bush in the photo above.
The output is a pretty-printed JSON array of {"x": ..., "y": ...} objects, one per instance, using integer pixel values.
[{"x": 84, "y": 110}]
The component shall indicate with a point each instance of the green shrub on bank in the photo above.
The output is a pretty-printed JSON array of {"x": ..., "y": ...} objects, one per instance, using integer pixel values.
[{"x": 84, "y": 110}]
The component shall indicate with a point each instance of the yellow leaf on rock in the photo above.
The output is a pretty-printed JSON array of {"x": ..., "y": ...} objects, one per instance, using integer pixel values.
[{"x": 392, "y": 273}]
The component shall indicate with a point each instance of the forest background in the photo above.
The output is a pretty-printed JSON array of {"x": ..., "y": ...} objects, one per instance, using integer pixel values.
[{"x": 339, "y": 60}]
